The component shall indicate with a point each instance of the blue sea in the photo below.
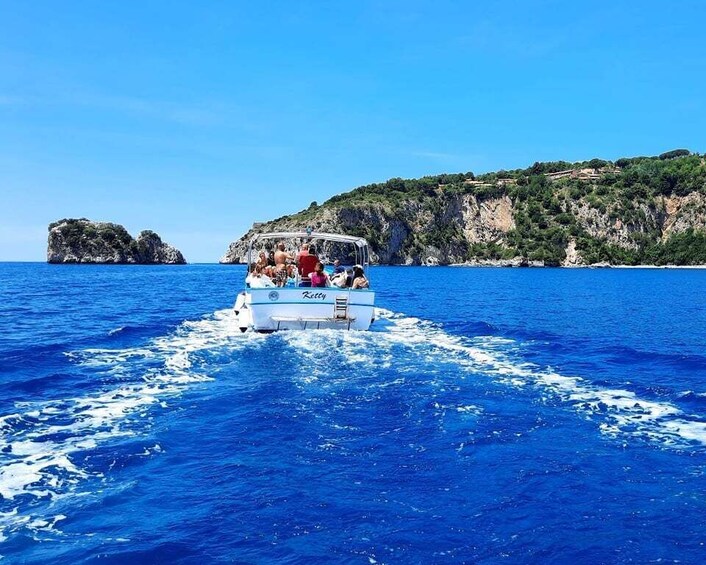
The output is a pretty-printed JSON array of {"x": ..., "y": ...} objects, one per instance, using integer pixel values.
[{"x": 489, "y": 416}]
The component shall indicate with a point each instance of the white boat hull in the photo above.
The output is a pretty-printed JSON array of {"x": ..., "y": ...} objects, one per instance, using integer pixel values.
[{"x": 301, "y": 308}]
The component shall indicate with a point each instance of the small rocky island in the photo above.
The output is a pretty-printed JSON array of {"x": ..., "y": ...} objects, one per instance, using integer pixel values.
[{"x": 83, "y": 241}]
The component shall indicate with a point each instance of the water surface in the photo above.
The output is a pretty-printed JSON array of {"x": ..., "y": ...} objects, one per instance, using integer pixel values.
[{"x": 492, "y": 415}]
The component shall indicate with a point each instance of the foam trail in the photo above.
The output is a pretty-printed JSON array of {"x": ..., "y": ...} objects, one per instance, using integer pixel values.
[
  {"x": 40, "y": 441},
  {"x": 619, "y": 412}
]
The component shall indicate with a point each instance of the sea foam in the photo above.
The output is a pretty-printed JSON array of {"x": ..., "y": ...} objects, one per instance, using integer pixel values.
[
  {"x": 618, "y": 412},
  {"x": 40, "y": 441}
]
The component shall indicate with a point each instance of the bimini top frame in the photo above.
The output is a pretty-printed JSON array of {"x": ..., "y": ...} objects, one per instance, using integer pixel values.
[{"x": 362, "y": 250}]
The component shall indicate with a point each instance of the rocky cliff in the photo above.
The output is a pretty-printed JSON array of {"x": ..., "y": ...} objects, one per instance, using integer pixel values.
[
  {"x": 397, "y": 235},
  {"x": 84, "y": 241},
  {"x": 643, "y": 210}
]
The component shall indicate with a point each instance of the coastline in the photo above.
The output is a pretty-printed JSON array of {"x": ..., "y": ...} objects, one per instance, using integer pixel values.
[
  {"x": 516, "y": 265},
  {"x": 658, "y": 266},
  {"x": 534, "y": 265}
]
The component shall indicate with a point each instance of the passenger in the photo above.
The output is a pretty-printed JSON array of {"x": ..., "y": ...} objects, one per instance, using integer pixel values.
[
  {"x": 307, "y": 263},
  {"x": 251, "y": 273},
  {"x": 280, "y": 275},
  {"x": 319, "y": 278},
  {"x": 262, "y": 259},
  {"x": 281, "y": 256},
  {"x": 270, "y": 254},
  {"x": 302, "y": 252},
  {"x": 338, "y": 268},
  {"x": 359, "y": 278},
  {"x": 339, "y": 280},
  {"x": 258, "y": 279},
  {"x": 291, "y": 275}
]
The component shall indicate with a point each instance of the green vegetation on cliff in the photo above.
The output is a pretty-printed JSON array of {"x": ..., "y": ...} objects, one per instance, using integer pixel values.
[
  {"x": 640, "y": 210},
  {"x": 91, "y": 237}
]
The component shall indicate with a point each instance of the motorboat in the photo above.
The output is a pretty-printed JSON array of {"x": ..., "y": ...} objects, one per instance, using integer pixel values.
[{"x": 291, "y": 302}]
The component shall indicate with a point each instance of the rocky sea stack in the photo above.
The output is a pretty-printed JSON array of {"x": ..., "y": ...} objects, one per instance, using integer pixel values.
[
  {"x": 634, "y": 211},
  {"x": 84, "y": 241}
]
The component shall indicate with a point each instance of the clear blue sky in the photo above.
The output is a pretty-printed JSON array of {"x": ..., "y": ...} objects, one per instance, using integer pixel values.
[{"x": 195, "y": 119}]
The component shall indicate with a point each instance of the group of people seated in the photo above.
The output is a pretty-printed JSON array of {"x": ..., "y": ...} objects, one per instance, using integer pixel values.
[{"x": 279, "y": 268}]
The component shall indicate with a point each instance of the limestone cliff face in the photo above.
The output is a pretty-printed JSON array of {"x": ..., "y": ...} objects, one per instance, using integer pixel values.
[
  {"x": 84, "y": 241},
  {"x": 347, "y": 220},
  {"x": 406, "y": 235},
  {"x": 441, "y": 230},
  {"x": 604, "y": 226},
  {"x": 680, "y": 213},
  {"x": 667, "y": 216}
]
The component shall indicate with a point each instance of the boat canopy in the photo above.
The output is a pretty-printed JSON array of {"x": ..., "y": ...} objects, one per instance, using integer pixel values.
[
  {"x": 362, "y": 250},
  {"x": 359, "y": 241}
]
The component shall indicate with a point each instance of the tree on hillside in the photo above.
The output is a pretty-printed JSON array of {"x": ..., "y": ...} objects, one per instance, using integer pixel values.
[
  {"x": 675, "y": 153},
  {"x": 597, "y": 163}
]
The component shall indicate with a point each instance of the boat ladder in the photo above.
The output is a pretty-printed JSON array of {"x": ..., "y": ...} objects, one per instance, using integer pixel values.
[{"x": 340, "y": 308}]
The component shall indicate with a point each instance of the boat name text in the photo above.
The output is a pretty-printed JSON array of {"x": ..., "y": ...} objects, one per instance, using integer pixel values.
[{"x": 314, "y": 295}]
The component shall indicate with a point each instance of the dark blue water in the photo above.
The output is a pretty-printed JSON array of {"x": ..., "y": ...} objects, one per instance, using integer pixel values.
[{"x": 491, "y": 416}]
